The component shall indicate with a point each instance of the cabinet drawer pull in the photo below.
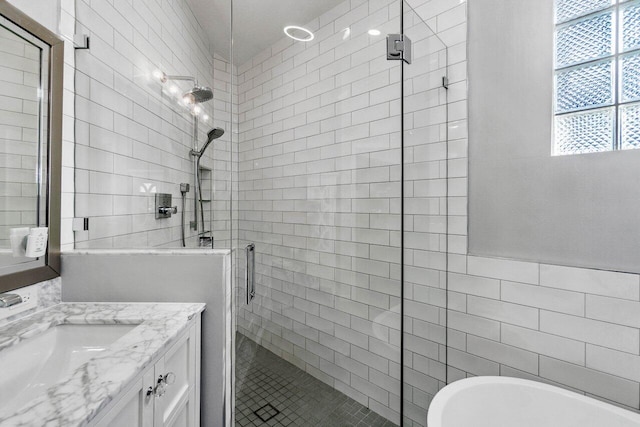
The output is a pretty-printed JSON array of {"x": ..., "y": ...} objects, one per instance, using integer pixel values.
[
  {"x": 164, "y": 381},
  {"x": 170, "y": 378}
]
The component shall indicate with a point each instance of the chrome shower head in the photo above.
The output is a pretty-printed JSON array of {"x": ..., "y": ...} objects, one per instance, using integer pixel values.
[
  {"x": 195, "y": 95},
  {"x": 198, "y": 94}
]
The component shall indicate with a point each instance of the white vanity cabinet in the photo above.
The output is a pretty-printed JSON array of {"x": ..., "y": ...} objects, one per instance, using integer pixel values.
[{"x": 166, "y": 394}]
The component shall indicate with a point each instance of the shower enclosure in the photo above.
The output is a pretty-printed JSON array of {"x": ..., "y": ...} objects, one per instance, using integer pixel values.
[
  {"x": 323, "y": 148},
  {"x": 342, "y": 167}
]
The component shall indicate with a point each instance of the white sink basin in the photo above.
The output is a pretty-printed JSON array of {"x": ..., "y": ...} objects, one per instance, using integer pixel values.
[{"x": 37, "y": 363}]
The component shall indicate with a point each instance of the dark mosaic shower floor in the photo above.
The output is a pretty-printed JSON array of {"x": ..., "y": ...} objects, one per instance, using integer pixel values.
[{"x": 270, "y": 388}]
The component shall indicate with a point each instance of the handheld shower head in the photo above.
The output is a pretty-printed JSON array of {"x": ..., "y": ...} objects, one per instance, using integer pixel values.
[{"x": 214, "y": 133}]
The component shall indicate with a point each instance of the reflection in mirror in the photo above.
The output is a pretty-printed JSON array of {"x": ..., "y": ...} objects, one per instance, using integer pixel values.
[
  {"x": 23, "y": 142},
  {"x": 31, "y": 91}
]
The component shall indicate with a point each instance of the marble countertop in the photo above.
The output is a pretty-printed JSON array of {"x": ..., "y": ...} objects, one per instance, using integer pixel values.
[{"x": 77, "y": 399}]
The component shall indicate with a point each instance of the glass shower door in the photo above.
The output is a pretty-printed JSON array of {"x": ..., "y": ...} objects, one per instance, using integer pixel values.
[
  {"x": 425, "y": 226},
  {"x": 319, "y": 195}
]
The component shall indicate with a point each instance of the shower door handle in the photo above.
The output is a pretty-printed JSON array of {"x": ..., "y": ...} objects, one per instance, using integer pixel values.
[{"x": 250, "y": 273}]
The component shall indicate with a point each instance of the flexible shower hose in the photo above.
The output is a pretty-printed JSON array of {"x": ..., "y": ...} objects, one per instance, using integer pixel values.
[{"x": 184, "y": 196}]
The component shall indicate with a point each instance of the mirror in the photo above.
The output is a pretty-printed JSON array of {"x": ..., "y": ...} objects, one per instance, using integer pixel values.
[{"x": 31, "y": 63}]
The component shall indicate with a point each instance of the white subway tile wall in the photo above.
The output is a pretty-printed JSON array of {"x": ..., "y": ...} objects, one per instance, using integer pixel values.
[
  {"x": 319, "y": 195},
  {"x": 133, "y": 136}
]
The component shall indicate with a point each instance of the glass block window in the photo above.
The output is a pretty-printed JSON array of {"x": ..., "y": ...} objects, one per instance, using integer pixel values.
[{"x": 597, "y": 76}]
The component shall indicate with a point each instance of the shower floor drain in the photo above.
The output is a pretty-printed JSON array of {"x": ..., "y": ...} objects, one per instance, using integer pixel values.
[{"x": 266, "y": 412}]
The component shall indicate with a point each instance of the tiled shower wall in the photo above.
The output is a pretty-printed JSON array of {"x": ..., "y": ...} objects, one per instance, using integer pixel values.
[
  {"x": 133, "y": 136},
  {"x": 574, "y": 327},
  {"x": 578, "y": 328},
  {"x": 319, "y": 194},
  {"x": 19, "y": 120}
]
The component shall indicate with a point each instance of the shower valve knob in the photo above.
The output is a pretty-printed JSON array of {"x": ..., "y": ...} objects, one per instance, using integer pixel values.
[
  {"x": 163, "y": 206},
  {"x": 168, "y": 210}
]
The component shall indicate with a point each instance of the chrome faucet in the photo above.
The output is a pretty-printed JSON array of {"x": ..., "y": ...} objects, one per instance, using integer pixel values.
[{"x": 7, "y": 300}]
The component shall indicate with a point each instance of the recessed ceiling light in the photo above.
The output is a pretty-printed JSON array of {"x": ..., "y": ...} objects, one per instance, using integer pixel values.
[
  {"x": 298, "y": 33},
  {"x": 374, "y": 32}
]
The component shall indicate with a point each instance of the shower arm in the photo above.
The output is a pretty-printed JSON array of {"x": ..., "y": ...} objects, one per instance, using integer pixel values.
[
  {"x": 183, "y": 78},
  {"x": 166, "y": 78}
]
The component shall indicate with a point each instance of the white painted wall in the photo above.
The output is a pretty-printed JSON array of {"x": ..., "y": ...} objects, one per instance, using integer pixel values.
[
  {"x": 577, "y": 328},
  {"x": 577, "y": 210},
  {"x": 45, "y": 12}
]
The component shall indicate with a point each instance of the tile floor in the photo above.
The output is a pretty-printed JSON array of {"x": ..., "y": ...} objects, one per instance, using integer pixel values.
[{"x": 272, "y": 389}]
